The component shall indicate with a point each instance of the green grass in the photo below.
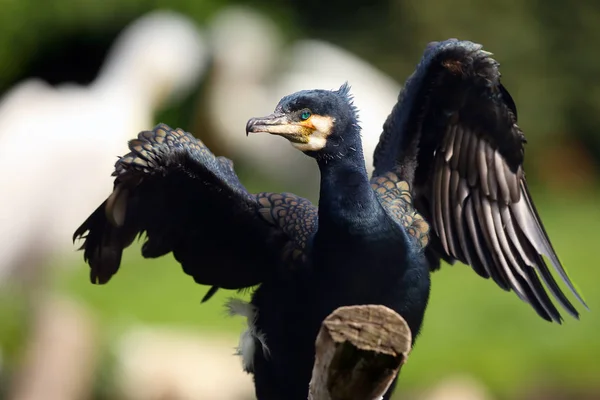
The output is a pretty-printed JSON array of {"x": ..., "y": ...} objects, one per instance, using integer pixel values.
[
  {"x": 471, "y": 325},
  {"x": 154, "y": 291}
]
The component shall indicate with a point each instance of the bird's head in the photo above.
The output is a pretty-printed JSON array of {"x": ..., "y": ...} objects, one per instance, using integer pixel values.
[{"x": 314, "y": 121}]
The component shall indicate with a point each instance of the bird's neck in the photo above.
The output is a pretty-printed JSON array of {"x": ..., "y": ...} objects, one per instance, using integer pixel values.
[{"x": 345, "y": 195}]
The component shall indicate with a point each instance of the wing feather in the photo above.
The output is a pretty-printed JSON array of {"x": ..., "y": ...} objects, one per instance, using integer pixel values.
[
  {"x": 472, "y": 160},
  {"x": 460, "y": 196},
  {"x": 445, "y": 206},
  {"x": 502, "y": 181},
  {"x": 477, "y": 238},
  {"x": 492, "y": 179},
  {"x": 437, "y": 200},
  {"x": 191, "y": 203},
  {"x": 463, "y": 160},
  {"x": 482, "y": 168},
  {"x": 458, "y": 142},
  {"x": 455, "y": 124}
]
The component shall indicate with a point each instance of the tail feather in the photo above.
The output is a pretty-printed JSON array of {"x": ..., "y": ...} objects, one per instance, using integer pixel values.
[{"x": 211, "y": 292}]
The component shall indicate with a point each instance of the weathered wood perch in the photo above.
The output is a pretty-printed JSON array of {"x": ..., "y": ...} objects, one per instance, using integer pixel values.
[{"x": 359, "y": 352}]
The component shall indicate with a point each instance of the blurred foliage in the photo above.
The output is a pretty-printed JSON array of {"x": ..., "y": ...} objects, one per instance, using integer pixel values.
[
  {"x": 546, "y": 49},
  {"x": 67, "y": 40}
]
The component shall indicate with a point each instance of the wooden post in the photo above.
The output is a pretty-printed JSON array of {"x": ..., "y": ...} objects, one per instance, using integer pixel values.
[{"x": 359, "y": 352}]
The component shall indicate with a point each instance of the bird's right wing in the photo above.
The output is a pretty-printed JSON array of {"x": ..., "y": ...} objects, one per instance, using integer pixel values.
[{"x": 191, "y": 203}]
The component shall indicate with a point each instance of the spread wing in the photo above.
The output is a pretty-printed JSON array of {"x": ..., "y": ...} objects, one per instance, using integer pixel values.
[
  {"x": 297, "y": 218},
  {"x": 454, "y": 136},
  {"x": 191, "y": 203}
]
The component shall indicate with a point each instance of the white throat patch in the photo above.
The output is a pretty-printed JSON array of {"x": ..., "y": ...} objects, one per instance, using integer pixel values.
[
  {"x": 318, "y": 139},
  {"x": 247, "y": 346}
]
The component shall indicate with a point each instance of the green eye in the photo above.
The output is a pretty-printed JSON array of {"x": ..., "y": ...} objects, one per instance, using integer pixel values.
[{"x": 305, "y": 115}]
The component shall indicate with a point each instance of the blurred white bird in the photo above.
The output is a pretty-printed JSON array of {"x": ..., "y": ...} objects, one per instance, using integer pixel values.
[
  {"x": 58, "y": 145},
  {"x": 253, "y": 70},
  {"x": 155, "y": 363},
  {"x": 458, "y": 387}
]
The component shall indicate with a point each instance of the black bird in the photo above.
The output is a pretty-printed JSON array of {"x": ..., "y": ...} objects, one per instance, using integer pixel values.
[{"x": 450, "y": 157}]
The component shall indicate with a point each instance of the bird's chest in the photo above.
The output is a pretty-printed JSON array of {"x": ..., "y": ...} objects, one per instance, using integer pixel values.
[{"x": 358, "y": 264}]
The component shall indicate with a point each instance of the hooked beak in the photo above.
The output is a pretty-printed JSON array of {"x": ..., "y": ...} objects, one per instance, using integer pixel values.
[{"x": 279, "y": 124}]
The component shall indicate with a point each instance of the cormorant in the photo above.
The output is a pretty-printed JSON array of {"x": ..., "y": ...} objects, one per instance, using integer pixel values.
[{"x": 450, "y": 151}]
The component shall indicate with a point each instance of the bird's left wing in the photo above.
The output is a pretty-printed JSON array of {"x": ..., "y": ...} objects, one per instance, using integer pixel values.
[
  {"x": 395, "y": 197},
  {"x": 453, "y": 136},
  {"x": 191, "y": 203}
]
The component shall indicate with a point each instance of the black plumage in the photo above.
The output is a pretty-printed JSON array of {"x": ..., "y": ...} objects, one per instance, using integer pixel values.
[
  {"x": 450, "y": 157},
  {"x": 455, "y": 129}
]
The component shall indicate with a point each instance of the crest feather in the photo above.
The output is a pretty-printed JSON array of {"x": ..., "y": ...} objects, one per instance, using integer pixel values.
[{"x": 344, "y": 91}]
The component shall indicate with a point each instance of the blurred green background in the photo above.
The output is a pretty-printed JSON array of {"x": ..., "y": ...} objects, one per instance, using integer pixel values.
[{"x": 550, "y": 63}]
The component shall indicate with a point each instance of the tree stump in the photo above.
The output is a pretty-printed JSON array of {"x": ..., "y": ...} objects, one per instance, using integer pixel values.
[{"x": 359, "y": 352}]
